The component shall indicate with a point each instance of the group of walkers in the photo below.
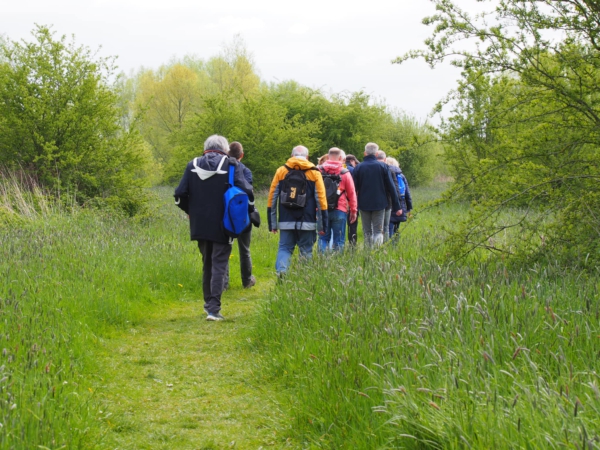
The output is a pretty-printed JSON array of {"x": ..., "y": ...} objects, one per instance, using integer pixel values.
[{"x": 304, "y": 201}]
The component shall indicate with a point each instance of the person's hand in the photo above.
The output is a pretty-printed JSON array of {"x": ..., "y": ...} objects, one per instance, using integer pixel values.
[
  {"x": 274, "y": 231},
  {"x": 188, "y": 217},
  {"x": 321, "y": 233},
  {"x": 399, "y": 212},
  {"x": 353, "y": 217}
]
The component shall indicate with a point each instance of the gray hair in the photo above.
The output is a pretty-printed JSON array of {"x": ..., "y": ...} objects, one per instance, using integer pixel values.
[
  {"x": 392, "y": 161},
  {"x": 371, "y": 148},
  {"x": 380, "y": 155},
  {"x": 335, "y": 154},
  {"x": 300, "y": 151},
  {"x": 216, "y": 142},
  {"x": 343, "y": 155}
]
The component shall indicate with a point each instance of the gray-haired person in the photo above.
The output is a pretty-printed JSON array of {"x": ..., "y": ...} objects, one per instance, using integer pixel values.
[
  {"x": 200, "y": 195},
  {"x": 374, "y": 183}
]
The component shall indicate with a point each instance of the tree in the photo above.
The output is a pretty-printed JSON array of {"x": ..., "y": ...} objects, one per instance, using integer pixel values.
[
  {"x": 524, "y": 132},
  {"x": 165, "y": 99},
  {"x": 61, "y": 121},
  {"x": 259, "y": 122}
]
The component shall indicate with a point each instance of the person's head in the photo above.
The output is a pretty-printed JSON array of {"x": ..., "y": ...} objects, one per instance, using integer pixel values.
[
  {"x": 335, "y": 154},
  {"x": 236, "y": 150},
  {"x": 351, "y": 160},
  {"x": 343, "y": 155},
  {"x": 392, "y": 161},
  {"x": 300, "y": 151},
  {"x": 380, "y": 155},
  {"x": 322, "y": 159},
  {"x": 371, "y": 149},
  {"x": 216, "y": 142}
]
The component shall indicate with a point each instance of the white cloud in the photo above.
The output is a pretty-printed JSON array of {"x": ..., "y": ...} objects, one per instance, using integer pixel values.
[
  {"x": 232, "y": 24},
  {"x": 299, "y": 28}
]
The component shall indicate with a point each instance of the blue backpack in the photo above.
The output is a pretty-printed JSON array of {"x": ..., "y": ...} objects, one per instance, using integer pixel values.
[
  {"x": 401, "y": 184},
  {"x": 236, "y": 218}
]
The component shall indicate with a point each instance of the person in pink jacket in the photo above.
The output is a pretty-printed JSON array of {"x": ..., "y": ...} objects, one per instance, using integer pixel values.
[{"x": 341, "y": 199}]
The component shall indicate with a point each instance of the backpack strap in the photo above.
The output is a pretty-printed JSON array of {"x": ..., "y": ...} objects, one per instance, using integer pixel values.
[{"x": 231, "y": 172}]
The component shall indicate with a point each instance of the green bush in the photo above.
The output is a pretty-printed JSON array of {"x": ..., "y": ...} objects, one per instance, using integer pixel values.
[{"x": 60, "y": 121}]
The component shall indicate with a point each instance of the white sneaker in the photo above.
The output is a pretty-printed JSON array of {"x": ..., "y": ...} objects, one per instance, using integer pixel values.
[{"x": 214, "y": 317}]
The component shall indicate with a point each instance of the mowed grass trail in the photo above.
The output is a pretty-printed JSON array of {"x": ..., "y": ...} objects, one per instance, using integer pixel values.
[
  {"x": 177, "y": 381},
  {"x": 103, "y": 343}
]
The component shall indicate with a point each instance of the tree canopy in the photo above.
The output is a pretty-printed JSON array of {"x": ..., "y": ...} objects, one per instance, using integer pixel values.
[
  {"x": 523, "y": 133},
  {"x": 186, "y": 100}
]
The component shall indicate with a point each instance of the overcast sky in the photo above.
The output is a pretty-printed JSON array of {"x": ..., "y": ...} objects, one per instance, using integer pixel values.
[{"x": 329, "y": 44}]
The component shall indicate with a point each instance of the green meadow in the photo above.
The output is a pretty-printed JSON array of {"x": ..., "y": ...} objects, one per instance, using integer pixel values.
[{"x": 104, "y": 343}]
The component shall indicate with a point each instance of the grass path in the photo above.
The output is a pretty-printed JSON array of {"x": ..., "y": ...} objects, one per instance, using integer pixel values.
[{"x": 177, "y": 381}]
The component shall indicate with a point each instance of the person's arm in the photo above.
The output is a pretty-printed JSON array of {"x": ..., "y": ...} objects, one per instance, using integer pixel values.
[
  {"x": 272, "y": 203},
  {"x": 248, "y": 175},
  {"x": 407, "y": 196},
  {"x": 321, "y": 197},
  {"x": 240, "y": 180},
  {"x": 182, "y": 195},
  {"x": 351, "y": 196}
]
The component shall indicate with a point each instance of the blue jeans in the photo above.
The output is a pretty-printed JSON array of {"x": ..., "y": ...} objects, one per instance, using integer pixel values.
[
  {"x": 288, "y": 239},
  {"x": 337, "y": 229}
]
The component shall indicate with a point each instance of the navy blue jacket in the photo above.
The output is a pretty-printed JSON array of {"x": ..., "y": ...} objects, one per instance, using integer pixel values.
[
  {"x": 373, "y": 182},
  {"x": 247, "y": 172},
  {"x": 200, "y": 194},
  {"x": 406, "y": 201}
]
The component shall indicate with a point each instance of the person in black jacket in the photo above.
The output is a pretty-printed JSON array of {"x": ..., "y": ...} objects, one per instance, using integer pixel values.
[
  {"x": 373, "y": 182},
  {"x": 200, "y": 195}
]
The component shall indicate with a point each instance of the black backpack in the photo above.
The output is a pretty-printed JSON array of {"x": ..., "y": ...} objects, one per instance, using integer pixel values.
[
  {"x": 332, "y": 188},
  {"x": 293, "y": 188}
]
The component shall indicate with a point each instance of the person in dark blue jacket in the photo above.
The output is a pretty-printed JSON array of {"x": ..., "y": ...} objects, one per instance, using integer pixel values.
[
  {"x": 373, "y": 182},
  {"x": 405, "y": 197},
  {"x": 200, "y": 195},
  {"x": 248, "y": 280}
]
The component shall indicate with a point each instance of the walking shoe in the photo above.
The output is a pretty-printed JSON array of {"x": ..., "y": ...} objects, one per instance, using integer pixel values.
[
  {"x": 214, "y": 317},
  {"x": 251, "y": 283}
]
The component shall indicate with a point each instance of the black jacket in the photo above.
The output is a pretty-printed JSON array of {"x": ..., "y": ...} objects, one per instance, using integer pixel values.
[
  {"x": 200, "y": 194},
  {"x": 373, "y": 182}
]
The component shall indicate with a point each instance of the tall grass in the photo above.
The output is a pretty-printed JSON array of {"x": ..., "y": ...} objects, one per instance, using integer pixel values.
[
  {"x": 22, "y": 198},
  {"x": 399, "y": 348},
  {"x": 65, "y": 281}
]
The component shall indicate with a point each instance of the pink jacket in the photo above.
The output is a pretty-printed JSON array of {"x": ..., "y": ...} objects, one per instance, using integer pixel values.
[{"x": 346, "y": 186}]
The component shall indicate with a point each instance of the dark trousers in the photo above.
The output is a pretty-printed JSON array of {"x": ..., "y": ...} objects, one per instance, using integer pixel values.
[
  {"x": 215, "y": 258},
  {"x": 352, "y": 231},
  {"x": 243, "y": 241}
]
